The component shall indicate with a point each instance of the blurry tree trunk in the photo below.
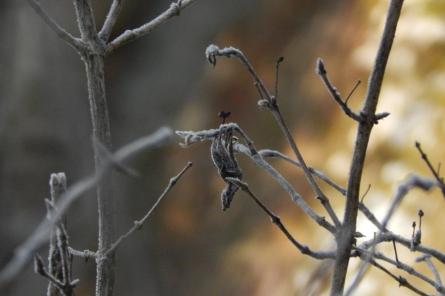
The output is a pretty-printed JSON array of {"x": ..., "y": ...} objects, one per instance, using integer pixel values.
[{"x": 93, "y": 58}]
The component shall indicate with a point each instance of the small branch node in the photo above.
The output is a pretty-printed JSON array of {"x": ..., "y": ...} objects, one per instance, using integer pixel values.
[
  {"x": 275, "y": 219},
  {"x": 138, "y": 224},
  {"x": 176, "y": 7}
]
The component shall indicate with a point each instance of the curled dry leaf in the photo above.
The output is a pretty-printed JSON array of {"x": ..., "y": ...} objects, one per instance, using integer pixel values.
[{"x": 224, "y": 160}]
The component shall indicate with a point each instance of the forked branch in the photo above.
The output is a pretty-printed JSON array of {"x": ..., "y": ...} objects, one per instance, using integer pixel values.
[{"x": 74, "y": 42}]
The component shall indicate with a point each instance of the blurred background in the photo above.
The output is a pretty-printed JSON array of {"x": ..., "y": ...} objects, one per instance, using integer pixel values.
[{"x": 189, "y": 246}]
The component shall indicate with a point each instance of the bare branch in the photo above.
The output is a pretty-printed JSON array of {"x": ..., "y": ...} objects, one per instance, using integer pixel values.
[
  {"x": 139, "y": 223},
  {"x": 406, "y": 268},
  {"x": 131, "y": 35},
  {"x": 74, "y": 42},
  {"x": 24, "y": 251},
  {"x": 413, "y": 181},
  {"x": 60, "y": 287},
  {"x": 39, "y": 268},
  {"x": 403, "y": 282},
  {"x": 110, "y": 20},
  {"x": 277, "y": 72},
  {"x": 58, "y": 265},
  {"x": 277, "y": 221},
  {"x": 389, "y": 237},
  {"x": 270, "y": 102},
  {"x": 345, "y": 235}
]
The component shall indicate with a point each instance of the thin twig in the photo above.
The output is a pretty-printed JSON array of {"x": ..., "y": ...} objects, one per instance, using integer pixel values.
[
  {"x": 139, "y": 223},
  {"x": 362, "y": 207},
  {"x": 25, "y": 250},
  {"x": 403, "y": 282},
  {"x": 411, "y": 182},
  {"x": 432, "y": 267},
  {"x": 395, "y": 250},
  {"x": 430, "y": 166},
  {"x": 320, "y": 69},
  {"x": 315, "y": 172},
  {"x": 64, "y": 288},
  {"x": 352, "y": 91},
  {"x": 366, "y": 193},
  {"x": 110, "y": 20},
  {"x": 40, "y": 269},
  {"x": 74, "y": 42},
  {"x": 406, "y": 268},
  {"x": 277, "y": 72},
  {"x": 389, "y": 237},
  {"x": 131, "y": 35},
  {"x": 277, "y": 221}
]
